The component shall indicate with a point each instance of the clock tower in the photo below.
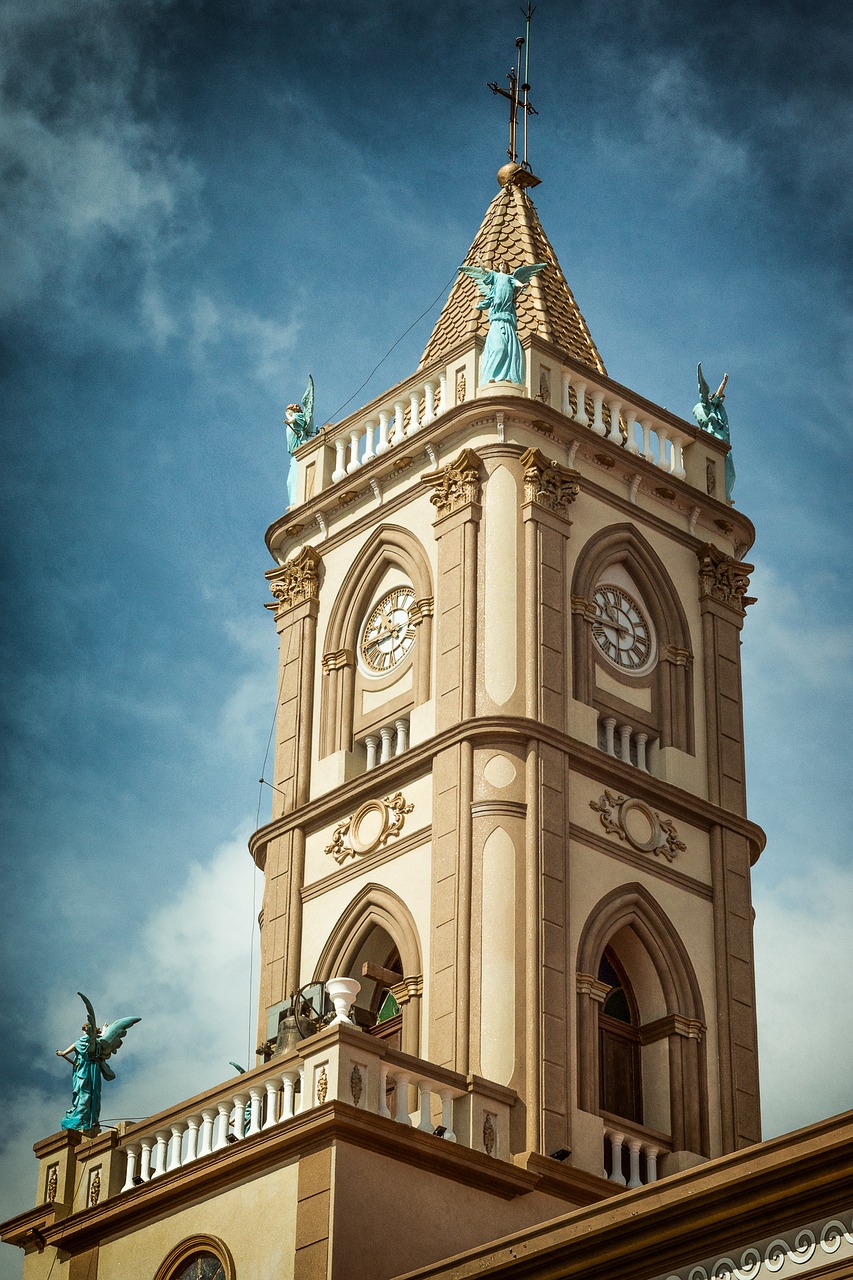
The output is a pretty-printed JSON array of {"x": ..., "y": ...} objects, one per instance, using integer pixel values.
[{"x": 509, "y": 779}]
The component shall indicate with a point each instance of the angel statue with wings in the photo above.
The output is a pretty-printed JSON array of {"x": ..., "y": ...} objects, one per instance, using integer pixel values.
[
  {"x": 299, "y": 420},
  {"x": 90, "y": 1052},
  {"x": 503, "y": 358},
  {"x": 712, "y": 417}
]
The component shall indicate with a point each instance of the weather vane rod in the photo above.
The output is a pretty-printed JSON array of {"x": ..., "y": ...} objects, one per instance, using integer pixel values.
[{"x": 517, "y": 88}]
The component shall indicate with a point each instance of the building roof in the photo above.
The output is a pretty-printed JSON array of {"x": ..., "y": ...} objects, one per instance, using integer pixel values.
[{"x": 511, "y": 230}]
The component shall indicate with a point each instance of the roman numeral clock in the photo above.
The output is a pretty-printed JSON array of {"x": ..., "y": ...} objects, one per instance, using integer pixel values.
[{"x": 388, "y": 634}]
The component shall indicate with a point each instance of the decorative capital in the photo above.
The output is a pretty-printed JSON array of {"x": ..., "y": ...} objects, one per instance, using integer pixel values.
[
  {"x": 455, "y": 485},
  {"x": 549, "y": 483},
  {"x": 369, "y": 828},
  {"x": 723, "y": 579},
  {"x": 297, "y": 580},
  {"x": 336, "y": 660},
  {"x": 421, "y": 609},
  {"x": 639, "y": 825}
]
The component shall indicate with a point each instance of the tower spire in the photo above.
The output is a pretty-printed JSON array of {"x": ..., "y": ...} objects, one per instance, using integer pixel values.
[{"x": 518, "y": 94}]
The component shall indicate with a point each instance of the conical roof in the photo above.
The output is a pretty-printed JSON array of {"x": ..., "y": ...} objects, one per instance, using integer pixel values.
[{"x": 511, "y": 231}]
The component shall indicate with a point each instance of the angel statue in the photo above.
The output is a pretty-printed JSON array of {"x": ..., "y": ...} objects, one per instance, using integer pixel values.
[
  {"x": 503, "y": 358},
  {"x": 89, "y": 1062},
  {"x": 712, "y": 417},
  {"x": 299, "y": 420}
]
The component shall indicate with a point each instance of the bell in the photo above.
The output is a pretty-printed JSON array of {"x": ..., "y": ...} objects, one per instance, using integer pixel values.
[{"x": 288, "y": 1034}]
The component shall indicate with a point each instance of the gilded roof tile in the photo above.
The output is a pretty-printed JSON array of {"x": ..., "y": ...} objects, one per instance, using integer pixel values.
[{"x": 511, "y": 230}]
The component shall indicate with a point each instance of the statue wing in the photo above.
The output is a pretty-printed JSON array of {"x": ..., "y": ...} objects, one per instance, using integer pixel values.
[
  {"x": 481, "y": 275},
  {"x": 91, "y": 1012},
  {"x": 704, "y": 389},
  {"x": 110, "y": 1039},
  {"x": 525, "y": 274},
  {"x": 308, "y": 403}
]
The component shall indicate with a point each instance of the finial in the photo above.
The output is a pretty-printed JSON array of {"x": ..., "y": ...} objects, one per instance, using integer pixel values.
[{"x": 518, "y": 97}]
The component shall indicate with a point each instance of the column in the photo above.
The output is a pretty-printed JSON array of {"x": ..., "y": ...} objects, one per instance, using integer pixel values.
[
  {"x": 634, "y": 1148},
  {"x": 598, "y": 420},
  {"x": 442, "y": 393},
  {"x": 271, "y": 1118},
  {"x": 192, "y": 1138},
  {"x": 340, "y": 460},
  {"x": 663, "y": 440},
  {"x": 402, "y": 727},
  {"x": 371, "y": 742},
  {"x": 414, "y": 410},
  {"x": 145, "y": 1160},
  {"x": 426, "y": 1124},
  {"x": 383, "y": 1090},
  {"x": 625, "y": 743},
  {"x": 369, "y": 428},
  {"x": 631, "y": 443},
  {"x": 616, "y": 1140},
  {"x": 581, "y": 414},
  {"x": 399, "y": 432},
  {"x": 647, "y": 440},
  {"x": 162, "y": 1140},
  {"x": 208, "y": 1119},
  {"x": 641, "y": 739},
  {"x": 223, "y": 1117},
  {"x": 565, "y": 402},
  {"x": 402, "y": 1110},
  {"x": 132, "y": 1150},
  {"x": 609, "y": 727},
  {"x": 256, "y": 1093},
  {"x": 429, "y": 402},
  {"x": 353, "y": 464},
  {"x": 447, "y": 1114},
  {"x": 288, "y": 1086},
  {"x": 174, "y": 1152},
  {"x": 382, "y": 443},
  {"x": 615, "y": 435},
  {"x": 386, "y": 733}
]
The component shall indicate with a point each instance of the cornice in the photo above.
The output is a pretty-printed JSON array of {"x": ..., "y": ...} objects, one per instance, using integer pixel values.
[
  {"x": 367, "y": 863},
  {"x": 641, "y": 862},
  {"x": 584, "y": 758}
]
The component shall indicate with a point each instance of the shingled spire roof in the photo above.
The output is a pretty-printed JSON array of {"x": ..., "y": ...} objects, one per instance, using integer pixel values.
[{"x": 511, "y": 230}]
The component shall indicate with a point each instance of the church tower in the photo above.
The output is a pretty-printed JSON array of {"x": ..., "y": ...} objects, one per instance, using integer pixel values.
[{"x": 509, "y": 779}]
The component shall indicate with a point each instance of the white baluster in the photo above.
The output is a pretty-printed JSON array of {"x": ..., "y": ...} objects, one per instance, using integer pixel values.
[
  {"x": 402, "y": 727},
  {"x": 663, "y": 439},
  {"x": 386, "y": 733},
  {"x": 647, "y": 440},
  {"x": 193, "y": 1123},
  {"x": 678, "y": 468},
  {"x": 271, "y": 1119},
  {"x": 616, "y": 1140},
  {"x": 651, "y": 1164},
  {"x": 402, "y": 1081},
  {"x": 429, "y": 403},
  {"x": 615, "y": 434},
  {"x": 631, "y": 443},
  {"x": 609, "y": 744},
  {"x": 208, "y": 1120},
  {"x": 641, "y": 739},
  {"x": 239, "y": 1114},
  {"x": 340, "y": 460},
  {"x": 414, "y": 410},
  {"x": 383, "y": 1090},
  {"x": 132, "y": 1150},
  {"x": 426, "y": 1124},
  {"x": 447, "y": 1114},
  {"x": 162, "y": 1137},
  {"x": 371, "y": 742},
  {"x": 353, "y": 464},
  {"x": 581, "y": 414},
  {"x": 304, "y": 1100},
  {"x": 174, "y": 1152},
  {"x": 368, "y": 441},
  {"x": 399, "y": 432},
  {"x": 634, "y": 1146},
  {"x": 442, "y": 392},
  {"x": 565, "y": 402},
  {"x": 382, "y": 442},
  {"x": 598, "y": 419},
  {"x": 288, "y": 1083},
  {"x": 625, "y": 743},
  {"x": 223, "y": 1119},
  {"x": 256, "y": 1093},
  {"x": 145, "y": 1159}
]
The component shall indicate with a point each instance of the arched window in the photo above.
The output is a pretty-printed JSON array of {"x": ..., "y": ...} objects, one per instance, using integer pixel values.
[
  {"x": 619, "y": 1072},
  {"x": 199, "y": 1258}
]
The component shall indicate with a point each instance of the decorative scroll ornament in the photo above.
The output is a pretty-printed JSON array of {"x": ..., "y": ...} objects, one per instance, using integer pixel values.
[
  {"x": 548, "y": 483},
  {"x": 322, "y": 1086},
  {"x": 489, "y": 1134},
  {"x": 455, "y": 485},
  {"x": 370, "y": 827},
  {"x": 356, "y": 1085},
  {"x": 814, "y": 1245},
  {"x": 724, "y": 579},
  {"x": 297, "y": 581},
  {"x": 638, "y": 824}
]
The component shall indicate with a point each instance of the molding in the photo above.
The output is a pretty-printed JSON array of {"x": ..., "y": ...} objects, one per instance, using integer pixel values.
[
  {"x": 723, "y": 579},
  {"x": 499, "y": 808},
  {"x": 548, "y": 483},
  {"x": 355, "y": 869},
  {"x": 660, "y": 870},
  {"x": 357, "y": 836},
  {"x": 456, "y": 485},
  {"x": 615, "y": 812},
  {"x": 183, "y": 1252},
  {"x": 297, "y": 581}
]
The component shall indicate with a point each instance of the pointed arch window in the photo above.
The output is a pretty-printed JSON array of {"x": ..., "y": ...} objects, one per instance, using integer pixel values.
[{"x": 620, "y": 1079}]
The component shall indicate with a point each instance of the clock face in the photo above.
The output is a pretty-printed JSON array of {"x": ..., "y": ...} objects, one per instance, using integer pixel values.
[
  {"x": 621, "y": 629},
  {"x": 389, "y": 633}
]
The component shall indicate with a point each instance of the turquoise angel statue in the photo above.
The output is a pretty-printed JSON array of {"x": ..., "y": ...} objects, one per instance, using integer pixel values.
[
  {"x": 299, "y": 420},
  {"x": 503, "y": 358},
  {"x": 89, "y": 1064},
  {"x": 712, "y": 417}
]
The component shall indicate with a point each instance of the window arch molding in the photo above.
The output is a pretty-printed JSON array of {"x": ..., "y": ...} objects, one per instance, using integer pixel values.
[
  {"x": 183, "y": 1254},
  {"x": 671, "y": 679},
  {"x": 632, "y": 906},
  {"x": 390, "y": 546},
  {"x": 376, "y": 907}
]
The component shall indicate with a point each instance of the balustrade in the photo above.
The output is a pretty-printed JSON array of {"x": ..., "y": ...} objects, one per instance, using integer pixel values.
[
  {"x": 624, "y": 742},
  {"x": 630, "y": 1160},
  {"x": 385, "y": 743}
]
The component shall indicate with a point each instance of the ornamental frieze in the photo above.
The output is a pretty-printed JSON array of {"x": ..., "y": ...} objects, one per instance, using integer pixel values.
[
  {"x": 455, "y": 485},
  {"x": 549, "y": 483},
  {"x": 369, "y": 828},
  {"x": 297, "y": 581},
  {"x": 723, "y": 579},
  {"x": 639, "y": 825}
]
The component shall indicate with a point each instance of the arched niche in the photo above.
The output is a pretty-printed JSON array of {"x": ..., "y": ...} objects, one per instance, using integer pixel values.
[
  {"x": 636, "y": 931},
  {"x": 390, "y": 548},
  {"x": 660, "y": 701},
  {"x": 375, "y": 917},
  {"x": 197, "y": 1255}
]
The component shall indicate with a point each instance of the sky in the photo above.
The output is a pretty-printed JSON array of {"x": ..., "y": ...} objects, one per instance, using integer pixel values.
[{"x": 201, "y": 204}]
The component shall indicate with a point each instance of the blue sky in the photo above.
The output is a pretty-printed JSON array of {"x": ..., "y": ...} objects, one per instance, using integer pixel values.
[{"x": 201, "y": 204}]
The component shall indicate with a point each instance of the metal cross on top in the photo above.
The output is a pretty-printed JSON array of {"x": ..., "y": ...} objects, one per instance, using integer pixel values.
[{"x": 517, "y": 88}]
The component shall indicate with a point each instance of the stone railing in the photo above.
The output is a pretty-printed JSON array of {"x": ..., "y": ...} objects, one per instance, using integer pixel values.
[
  {"x": 385, "y": 743},
  {"x": 339, "y": 1064},
  {"x": 631, "y": 1156},
  {"x": 623, "y": 741}
]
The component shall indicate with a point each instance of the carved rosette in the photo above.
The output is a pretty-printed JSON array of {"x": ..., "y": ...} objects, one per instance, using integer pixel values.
[
  {"x": 297, "y": 581},
  {"x": 550, "y": 484},
  {"x": 455, "y": 485},
  {"x": 638, "y": 825},
  {"x": 723, "y": 579},
  {"x": 369, "y": 828}
]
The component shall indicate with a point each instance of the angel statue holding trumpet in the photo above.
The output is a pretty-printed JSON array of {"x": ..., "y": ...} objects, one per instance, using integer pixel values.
[
  {"x": 89, "y": 1063},
  {"x": 503, "y": 358}
]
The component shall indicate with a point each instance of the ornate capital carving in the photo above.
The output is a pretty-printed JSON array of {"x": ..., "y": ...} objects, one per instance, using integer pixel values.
[
  {"x": 678, "y": 657},
  {"x": 639, "y": 825},
  {"x": 334, "y": 661},
  {"x": 549, "y": 483},
  {"x": 592, "y": 987},
  {"x": 723, "y": 579},
  {"x": 297, "y": 580},
  {"x": 369, "y": 828},
  {"x": 421, "y": 609},
  {"x": 455, "y": 485}
]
